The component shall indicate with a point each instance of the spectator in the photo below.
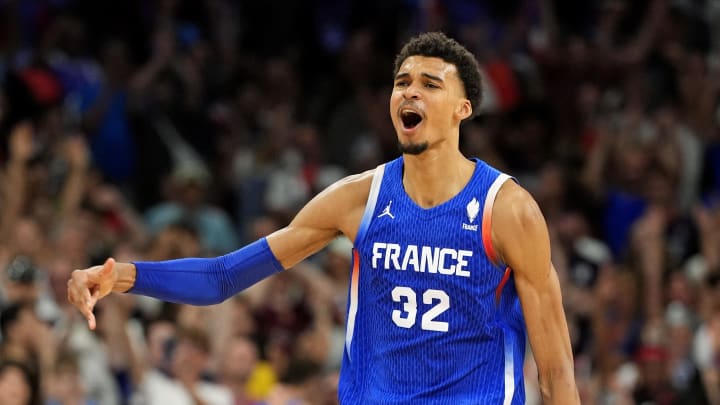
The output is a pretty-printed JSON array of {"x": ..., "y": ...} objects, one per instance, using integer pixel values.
[
  {"x": 17, "y": 386},
  {"x": 240, "y": 371},
  {"x": 104, "y": 105},
  {"x": 65, "y": 386},
  {"x": 185, "y": 384},
  {"x": 28, "y": 341},
  {"x": 189, "y": 186}
]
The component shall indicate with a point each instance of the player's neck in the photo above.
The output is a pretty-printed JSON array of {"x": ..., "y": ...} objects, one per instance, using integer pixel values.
[{"x": 436, "y": 176}]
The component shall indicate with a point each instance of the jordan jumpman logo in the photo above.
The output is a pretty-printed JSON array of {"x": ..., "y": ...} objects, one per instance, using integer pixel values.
[{"x": 386, "y": 211}]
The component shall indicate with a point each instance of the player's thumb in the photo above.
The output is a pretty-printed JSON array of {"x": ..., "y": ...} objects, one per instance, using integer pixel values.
[{"x": 105, "y": 272}]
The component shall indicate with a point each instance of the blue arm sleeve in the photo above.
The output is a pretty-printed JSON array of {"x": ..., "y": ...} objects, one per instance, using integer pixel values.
[{"x": 206, "y": 281}]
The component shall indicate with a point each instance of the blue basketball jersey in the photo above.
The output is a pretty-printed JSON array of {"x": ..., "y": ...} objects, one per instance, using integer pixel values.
[{"x": 432, "y": 319}]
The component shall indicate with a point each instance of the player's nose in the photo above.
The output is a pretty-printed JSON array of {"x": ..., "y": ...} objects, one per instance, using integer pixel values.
[{"x": 411, "y": 92}]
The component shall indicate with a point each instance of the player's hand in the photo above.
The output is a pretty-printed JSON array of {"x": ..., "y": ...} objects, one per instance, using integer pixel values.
[{"x": 87, "y": 286}]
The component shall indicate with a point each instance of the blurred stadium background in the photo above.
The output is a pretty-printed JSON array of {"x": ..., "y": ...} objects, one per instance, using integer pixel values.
[{"x": 168, "y": 128}]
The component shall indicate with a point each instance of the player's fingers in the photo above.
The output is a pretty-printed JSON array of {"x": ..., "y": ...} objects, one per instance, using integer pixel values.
[
  {"x": 91, "y": 321},
  {"x": 78, "y": 291},
  {"x": 79, "y": 295},
  {"x": 86, "y": 308},
  {"x": 94, "y": 297},
  {"x": 70, "y": 294}
]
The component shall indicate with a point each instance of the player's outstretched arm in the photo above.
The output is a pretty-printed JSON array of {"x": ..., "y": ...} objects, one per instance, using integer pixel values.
[
  {"x": 336, "y": 210},
  {"x": 520, "y": 235},
  {"x": 204, "y": 281}
]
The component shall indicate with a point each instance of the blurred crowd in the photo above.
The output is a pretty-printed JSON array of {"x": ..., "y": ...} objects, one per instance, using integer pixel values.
[{"x": 163, "y": 129}]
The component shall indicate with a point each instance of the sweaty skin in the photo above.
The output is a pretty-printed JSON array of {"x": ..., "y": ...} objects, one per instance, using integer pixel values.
[{"x": 431, "y": 88}]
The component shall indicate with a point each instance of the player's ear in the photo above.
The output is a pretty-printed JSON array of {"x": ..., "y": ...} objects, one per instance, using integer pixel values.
[{"x": 464, "y": 109}]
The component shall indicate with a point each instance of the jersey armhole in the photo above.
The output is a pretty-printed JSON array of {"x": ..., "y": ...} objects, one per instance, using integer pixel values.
[
  {"x": 487, "y": 220},
  {"x": 370, "y": 205}
]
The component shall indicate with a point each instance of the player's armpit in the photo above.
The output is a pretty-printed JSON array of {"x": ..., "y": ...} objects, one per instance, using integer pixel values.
[
  {"x": 520, "y": 236},
  {"x": 336, "y": 210}
]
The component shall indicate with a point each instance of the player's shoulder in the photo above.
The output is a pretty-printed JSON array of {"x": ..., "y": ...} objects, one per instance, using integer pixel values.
[
  {"x": 343, "y": 202},
  {"x": 345, "y": 196},
  {"x": 517, "y": 222},
  {"x": 358, "y": 179},
  {"x": 358, "y": 183},
  {"x": 515, "y": 207},
  {"x": 512, "y": 193}
]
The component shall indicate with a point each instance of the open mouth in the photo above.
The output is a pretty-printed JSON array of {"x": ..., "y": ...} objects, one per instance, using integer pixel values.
[{"x": 410, "y": 119}]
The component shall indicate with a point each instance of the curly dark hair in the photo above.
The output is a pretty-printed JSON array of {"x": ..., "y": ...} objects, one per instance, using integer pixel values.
[{"x": 438, "y": 45}]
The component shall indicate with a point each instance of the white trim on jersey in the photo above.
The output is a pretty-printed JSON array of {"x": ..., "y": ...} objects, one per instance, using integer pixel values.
[
  {"x": 371, "y": 202},
  {"x": 362, "y": 229},
  {"x": 487, "y": 219},
  {"x": 495, "y": 187},
  {"x": 509, "y": 370}
]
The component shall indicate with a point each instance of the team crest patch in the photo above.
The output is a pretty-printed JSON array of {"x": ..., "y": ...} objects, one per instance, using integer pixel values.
[{"x": 473, "y": 208}]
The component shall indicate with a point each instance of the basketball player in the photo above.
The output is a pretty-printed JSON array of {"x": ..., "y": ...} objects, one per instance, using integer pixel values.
[{"x": 451, "y": 261}]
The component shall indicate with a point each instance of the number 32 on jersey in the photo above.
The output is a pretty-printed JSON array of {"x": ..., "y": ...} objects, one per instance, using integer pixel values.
[{"x": 406, "y": 317}]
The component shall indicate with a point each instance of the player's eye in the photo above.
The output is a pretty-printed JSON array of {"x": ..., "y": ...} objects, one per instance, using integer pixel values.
[
  {"x": 401, "y": 83},
  {"x": 430, "y": 85}
]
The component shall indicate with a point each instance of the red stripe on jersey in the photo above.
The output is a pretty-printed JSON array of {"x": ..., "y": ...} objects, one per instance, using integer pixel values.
[{"x": 498, "y": 290}]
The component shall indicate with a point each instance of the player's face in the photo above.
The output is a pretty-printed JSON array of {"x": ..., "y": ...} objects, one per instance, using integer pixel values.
[{"x": 427, "y": 102}]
